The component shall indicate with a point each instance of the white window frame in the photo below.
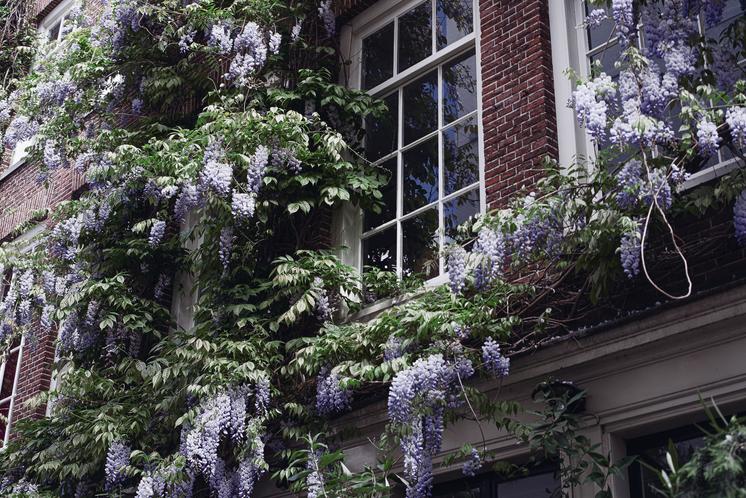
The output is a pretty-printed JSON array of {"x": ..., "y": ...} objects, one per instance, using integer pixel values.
[
  {"x": 349, "y": 225},
  {"x": 57, "y": 14},
  {"x": 570, "y": 49}
]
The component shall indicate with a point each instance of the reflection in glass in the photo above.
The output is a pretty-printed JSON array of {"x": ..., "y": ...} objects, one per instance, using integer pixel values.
[
  {"x": 380, "y": 132},
  {"x": 415, "y": 36},
  {"x": 379, "y": 250},
  {"x": 459, "y": 87},
  {"x": 420, "y": 245},
  {"x": 420, "y": 113},
  {"x": 455, "y": 20},
  {"x": 457, "y": 211},
  {"x": 537, "y": 486},
  {"x": 607, "y": 57},
  {"x": 10, "y": 375},
  {"x": 598, "y": 35},
  {"x": 388, "y": 210},
  {"x": 732, "y": 10},
  {"x": 378, "y": 57},
  {"x": 460, "y": 156},
  {"x": 420, "y": 172}
]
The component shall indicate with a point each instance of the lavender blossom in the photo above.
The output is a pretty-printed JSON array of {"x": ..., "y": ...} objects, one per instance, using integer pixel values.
[
  {"x": 327, "y": 16},
  {"x": 490, "y": 246},
  {"x": 590, "y": 104},
  {"x": 595, "y": 18},
  {"x": 472, "y": 464},
  {"x": 188, "y": 199},
  {"x": 708, "y": 139},
  {"x": 736, "y": 119},
  {"x": 157, "y": 231},
  {"x": 330, "y": 397},
  {"x": 257, "y": 166},
  {"x": 226, "y": 246},
  {"x": 216, "y": 176},
  {"x": 275, "y": 39},
  {"x": 243, "y": 206},
  {"x": 185, "y": 41},
  {"x": 19, "y": 130},
  {"x": 629, "y": 180},
  {"x": 629, "y": 252},
  {"x": 457, "y": 269},
  {"x": 323, "y": 307},
  {"x": 220, "y": 38},
  {"x": 315, "y": 479},
  {"x": 393, "y": 348},
  {"x": 117, "y": 458},
  {"x": 623, "y": 12},
  {"x": 25, "y": 283},
  {"x": 493, "y": 361},
  {"x": 164, "y": 281},
  {"x": 739, "y": 218},
  {"x": 261, "y": 396}
]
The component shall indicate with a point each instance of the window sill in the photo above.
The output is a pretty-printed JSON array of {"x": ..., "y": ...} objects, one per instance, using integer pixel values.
[
  {"x": 711, "y": 173},
  {"x": 375, "y": 308}
]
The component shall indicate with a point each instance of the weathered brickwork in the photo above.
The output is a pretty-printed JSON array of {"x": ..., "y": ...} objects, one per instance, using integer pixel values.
[{"x": 517, "y": 94}]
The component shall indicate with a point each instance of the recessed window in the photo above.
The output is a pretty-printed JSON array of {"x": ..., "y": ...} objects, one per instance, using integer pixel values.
[
  {"x": 428, "y": 147},
  {"x": 56, "y": 25},
  {"x": 540, "y": 485}
]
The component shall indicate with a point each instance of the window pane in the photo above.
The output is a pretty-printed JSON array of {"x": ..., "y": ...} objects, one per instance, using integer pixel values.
[
  {"x": 459, "y": 87},
  {"x": 380, "y": 250},
  {"x": 460, "y": 156},
  {"x": 4, "y": 411},
  {"x": 378, "y": 57},
  {"x": 381, "y": 132},
  {"x": 420, "y": 175},
  {"x": 529, "y": 487},
  {"x": 733, "y": 9},
  {"x": 608, "y": 56},
  {"x": 455, "y": 20},
  {"x": 457, "y": 211},
  {"x": 420, "y": 113},
  {"x": 388, "y": 211},
  {"x": 420, "y": 244},
  {"x": 9, "y": 375},
  {"x": 415, "y": 35},
  {"x": 598, "y": 35},
  {"x": 54, "y": 31}
]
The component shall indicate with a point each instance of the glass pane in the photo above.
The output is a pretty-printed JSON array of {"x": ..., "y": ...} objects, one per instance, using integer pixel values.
[
  {"x": 457, "y": 211},
  {"x": 420, "y": 175},
  {"x": 460, "y": 156},
  {"x": 455, "y": 20},
  {"x": 378, "y": 57},
  {"x": 420, "y": 113},
  {"x": 9, "y": 375},
  {"x": 598, "y": 35},
  {"x": 380, "y": 250},
  {"x": 415, "y": 35},
  {"x": 459, "y": 87},
  {"x": 380, "y": 132},
  {"x": 733, "y": 9},
  {"x": 529, "y": 487},
  {"x": 608, "y": 56},
  {"x": 388, "y": 211},
  {"x": 54, "y": 31},
  {"x": 420, "y": 245}
]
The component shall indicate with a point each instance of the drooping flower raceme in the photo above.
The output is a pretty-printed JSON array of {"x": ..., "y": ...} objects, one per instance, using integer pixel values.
[
  {"x": 472, "y": 464},
  {"x": 708, "y": 139},
  {"x": 417, "y": 400},
  {"x": 629, "y": 253},
  {"x": 739, "y": 218},
  {"x": 326, "y": 13},
  {"x": 623, "y": 12},
  {"x": 216, "y": 174},
  {"x": 257, "y": 166},
  {"x": 493, "y": 361},
  {"x": 117, "y": 458},
  {"x": 457, "y": 269},
  {"x": 243, "y": 205},
  {"x": 590, "y": 101},
  {"x": 736, "y": 119},
  {"x": 157, "y": 231},
  {"x": 226, "y": 246},
  {"x": 490, "y": 248},
  {"x": 331, "y": 398}
]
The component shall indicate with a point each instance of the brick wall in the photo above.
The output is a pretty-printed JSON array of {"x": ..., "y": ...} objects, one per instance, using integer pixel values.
[{"x": 517, "y": 94}]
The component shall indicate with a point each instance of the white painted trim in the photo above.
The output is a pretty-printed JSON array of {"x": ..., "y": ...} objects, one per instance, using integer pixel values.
[
  {"x": 55, "y": 15},
  {"x": 365, "y": 24},
  {"x": 12, "y": 396}
]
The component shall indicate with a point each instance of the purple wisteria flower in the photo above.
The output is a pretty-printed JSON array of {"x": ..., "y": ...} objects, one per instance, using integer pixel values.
[
  {"x": 493, "y": 361},
  {"x": 157, "y": 231},
  {"x": 708, "y": 139},
  {"x": 188, "y": 199},
  {"x": 629, "y": 180},
  {"x": 53, "y": 158},
  {"x": 257, "y": 166},
  {"x": 315, "y": 479},
  {"x": 251, "y": 54},
  {"x": 457, "y": 269},
  {"x": 331, "y": 398},
  {"x": 216, "y": 175},
  {"x": 393, "y": 348},
  {"x": 629, "y": 253},
  {"x": 736, "y": 119},
  {"x": 739, "y": 218},
  {"x": 220, "y": 38},
  {"x": 472, "y": 464},
  {"x": 161, "y": 286},
  {"x": 323, "y": 307},
  {"x": 329, "y": 19},
  {"x": 590, "y": 101},
  {"x": 624, "y": 17},
  {"x": 243, "y": 206},
  {"x": 19, "y": 130},
  {"x": 226, "y": 246},
  {"x": 117, "y": 458},
  {"x": 490, "y": 248}
]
